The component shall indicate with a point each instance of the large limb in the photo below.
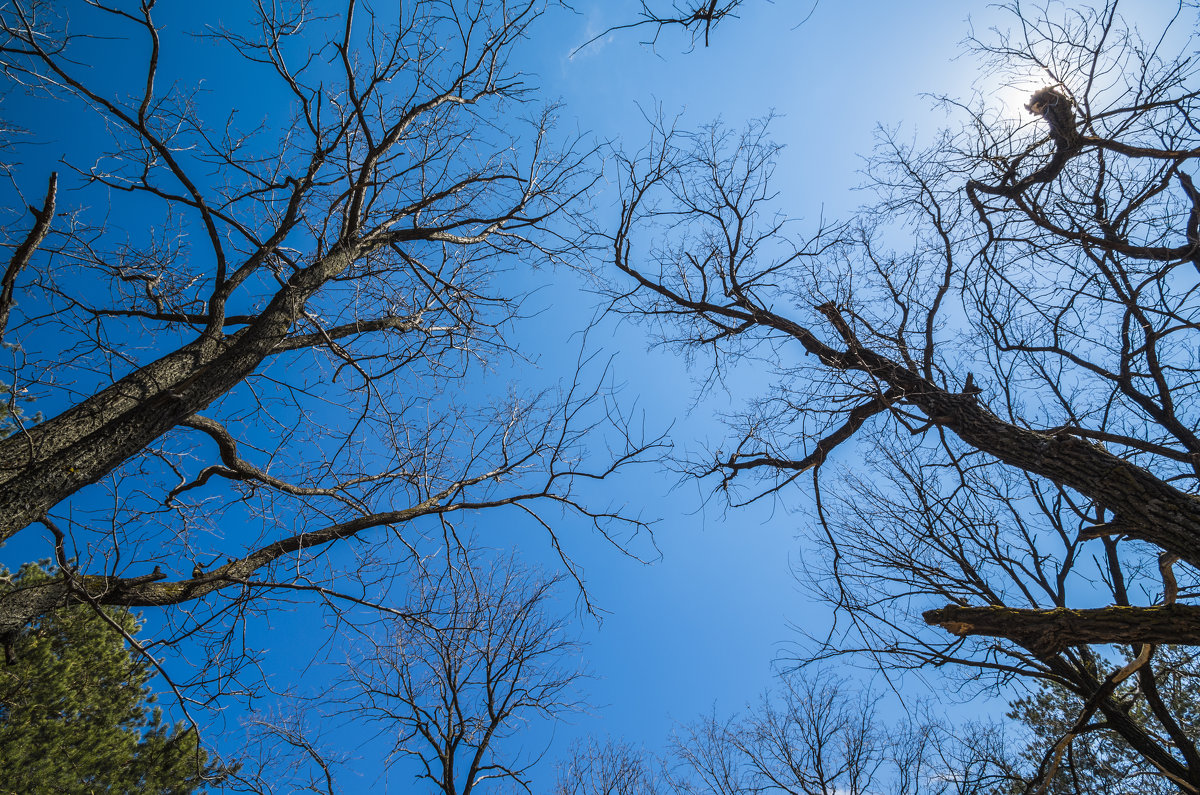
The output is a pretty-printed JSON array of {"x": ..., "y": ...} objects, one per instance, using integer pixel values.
[
  {"x": 45, "y": 464},
  {"x": 85, "y": 443},
  {"x": 1049, "y": 631},
  {"x": 21, "y": 606},
  {"x": 1058, "y": 112},
  {"x": 1146, "y": 507}
]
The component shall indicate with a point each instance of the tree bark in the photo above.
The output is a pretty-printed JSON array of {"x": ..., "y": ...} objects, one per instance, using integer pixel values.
[
  {"x": 1049, "y": 631},
  {"x": 54, "y": 460}
]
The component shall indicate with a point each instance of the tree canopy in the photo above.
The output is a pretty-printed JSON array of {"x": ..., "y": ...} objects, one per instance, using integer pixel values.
[
  {"x": 1000, "y": 347},
  {"x": 251, "y": 338},
  {"x": 255, "y": 341}
]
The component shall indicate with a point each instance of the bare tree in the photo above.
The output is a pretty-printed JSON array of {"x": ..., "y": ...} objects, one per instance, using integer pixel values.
[
  {"x": 816, "y": 740},
  {"x": 1008, "y": 333},
  {"x": 249, "y": 308},
  {"x": 483, "y": 657},
  {"x": 614, "y": 768},
  {"x": 811, "y": 735},
  {"x": 815, "y": 735},
  {"x": 286, "y": 752},
  {"x": 705, "y": 758}
]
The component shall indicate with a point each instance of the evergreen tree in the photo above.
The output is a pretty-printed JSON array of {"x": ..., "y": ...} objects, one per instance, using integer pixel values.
[
  {"x": 76, "y": 714},
  {"x": 1097, "y": 760}
]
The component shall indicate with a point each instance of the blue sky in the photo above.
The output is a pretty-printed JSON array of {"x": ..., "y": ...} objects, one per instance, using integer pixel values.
[{"x": 701, "y": 626}]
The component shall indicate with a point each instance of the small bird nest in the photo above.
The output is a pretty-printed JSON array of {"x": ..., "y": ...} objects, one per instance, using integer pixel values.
[{"x": 1058, "y": 111}]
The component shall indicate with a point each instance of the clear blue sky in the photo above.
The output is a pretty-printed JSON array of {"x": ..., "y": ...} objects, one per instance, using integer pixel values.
[{"x": 701, "y": 626}]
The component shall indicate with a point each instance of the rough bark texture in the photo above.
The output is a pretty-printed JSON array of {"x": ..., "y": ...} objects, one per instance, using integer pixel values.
[
  {"x": 1050, "y": 631},
  {"x": 1148, "y": 508},
  {"x": 40, "y": 468}
]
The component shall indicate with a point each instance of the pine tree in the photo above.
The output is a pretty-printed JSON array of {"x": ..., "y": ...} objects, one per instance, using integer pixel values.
[
  {"x": 1097, "y": 761},
  {"x": 76, "y": 712}
]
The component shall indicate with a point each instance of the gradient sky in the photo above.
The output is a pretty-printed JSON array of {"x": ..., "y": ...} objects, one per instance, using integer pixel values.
[
  {"x": 700, "y": 627},
  {"x": 708, "y": 624}
]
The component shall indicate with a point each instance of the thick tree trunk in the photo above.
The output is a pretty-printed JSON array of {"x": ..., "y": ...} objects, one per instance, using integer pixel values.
[{"x": 45, "y": 465}]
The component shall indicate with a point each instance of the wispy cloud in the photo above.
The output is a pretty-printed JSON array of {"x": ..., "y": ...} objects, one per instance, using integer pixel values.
[{"x": 596, "y": 36}]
